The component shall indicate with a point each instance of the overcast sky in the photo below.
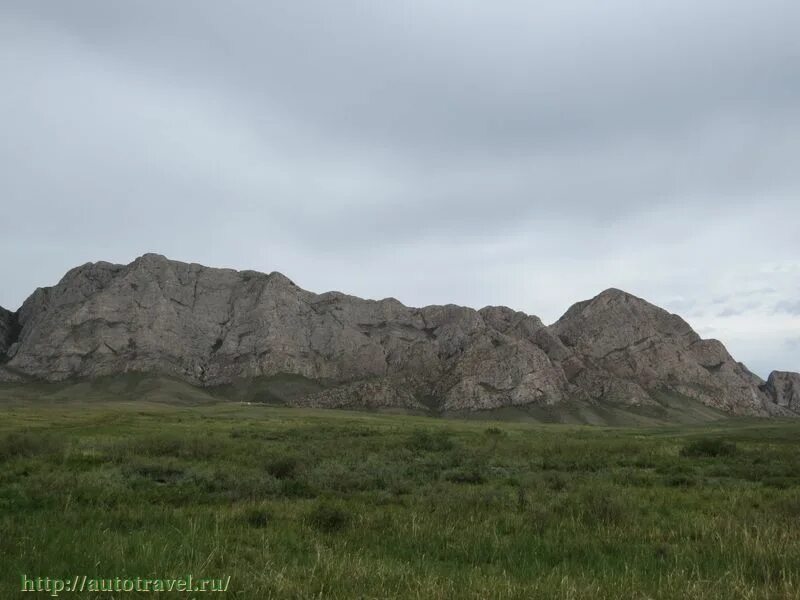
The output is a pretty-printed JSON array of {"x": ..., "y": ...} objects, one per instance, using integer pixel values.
[{"x": 529, "y": 154}]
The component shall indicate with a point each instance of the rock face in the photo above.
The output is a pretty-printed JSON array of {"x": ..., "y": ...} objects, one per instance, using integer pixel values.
[
  {"x": 784, "y": 387},
  {"x": 630, "y": 348},
  {"x": 213, "y": 326},
  {"x": 8, "y": 330}
]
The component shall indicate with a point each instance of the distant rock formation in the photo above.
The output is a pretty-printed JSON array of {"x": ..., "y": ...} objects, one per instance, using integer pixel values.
[
  {"x": 8, "y": 330},
  {"x": 784, "y": 387},
  {"x": 214, "y": 326},
  {"x": 632, "y": 349}
]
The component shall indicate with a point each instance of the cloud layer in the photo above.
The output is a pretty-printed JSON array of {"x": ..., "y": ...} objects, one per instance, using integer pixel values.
[{"x": 529, "y": 154}]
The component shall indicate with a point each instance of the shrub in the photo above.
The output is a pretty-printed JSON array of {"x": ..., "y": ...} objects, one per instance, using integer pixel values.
[
  {"x": 401, "y": 488},
  {"x": 28, "y": 444},
  {"x": 680, "y": 480},
  {"x": 599, "y": 506},
  {"x": 789, "y": 507},
  {"x": 522, "y": 498},
  {"x": 708, "y": 447},
  {"x": 295, "y": 488},
  {"x": 341, "y": 476},
  {"x": 781, "y": 483},
  {"x": 283, "y": 468},
  {"x": 662, "y": 551},
  {"x": 154, "y": 471},
  {"x": 539, "y": 518},
  {"x": 232, "y": 482},
  {"x": 495, "y": 434},
  {"x": 633, "y": 478},
  {"x": 555, "y": 481},
  {"x": 472, "y": 475},
  {"x": 328, "y": 518},
  {"x": 257, "y": 517},
  {"x": 194, "y": 447},
  {"x": 429, "y": 442}
]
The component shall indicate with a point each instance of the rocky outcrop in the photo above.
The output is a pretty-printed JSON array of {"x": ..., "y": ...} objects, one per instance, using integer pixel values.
[
  {"x": 8, "y": 331},
  {"x": 211, "y": 326},
  {"x": 214, "y": 326},
  {"x": 631, "y": 348},
  {"x": 363, "y": 395},
  {"x": 784, "y": 388}
]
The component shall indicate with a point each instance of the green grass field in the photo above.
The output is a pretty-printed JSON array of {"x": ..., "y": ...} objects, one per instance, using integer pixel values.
[{"x": 294, "y": 503}]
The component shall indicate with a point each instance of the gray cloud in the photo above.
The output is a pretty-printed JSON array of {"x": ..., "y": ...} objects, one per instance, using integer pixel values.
[
  {"x": 788, "y": 306},
  {"x": 731, "y": 312},
  {"x": 528, "y": 154}
]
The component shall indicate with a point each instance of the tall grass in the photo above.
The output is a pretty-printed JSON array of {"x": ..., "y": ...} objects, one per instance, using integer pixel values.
[{"x": 302, "y": 504}]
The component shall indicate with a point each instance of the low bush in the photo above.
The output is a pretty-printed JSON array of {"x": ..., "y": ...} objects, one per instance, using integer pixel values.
[
  {"x": 194, "y": 447},
  {"x": 154, "y": 471},
  {"x": 781, "y": 483},
  {"x": 328, "y": 518},
  {"x": 555, "y": 481},
  {"x": 296, "y": 488},
  {"x": 426, "y": 441},
  {"x": 708, "y": 447},
  {"x": 679, "y": 480},
  {"x": 28, "y": 444},
  {"x": 257, "y": 517},
  {"x": 471, "y": 475},
  {"x": 595, "y": 506},
  {"x": 285, "y": 467}
]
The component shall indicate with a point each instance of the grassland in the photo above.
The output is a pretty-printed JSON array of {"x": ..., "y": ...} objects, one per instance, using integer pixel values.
[{"x": 295, "y": 503}]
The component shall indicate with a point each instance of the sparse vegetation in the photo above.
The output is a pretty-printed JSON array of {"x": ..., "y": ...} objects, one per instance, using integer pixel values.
[{"x": 301, "y": 503}]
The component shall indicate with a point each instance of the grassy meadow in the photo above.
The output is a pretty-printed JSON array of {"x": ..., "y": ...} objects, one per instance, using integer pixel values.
[{"x": 300, "y": 503}]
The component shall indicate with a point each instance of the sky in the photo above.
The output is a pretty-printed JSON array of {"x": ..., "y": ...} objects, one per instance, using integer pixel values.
[{"x": 528, "y": 154}]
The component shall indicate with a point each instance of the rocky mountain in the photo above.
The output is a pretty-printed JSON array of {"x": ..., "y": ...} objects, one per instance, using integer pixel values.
[
  {"x": 632, "y": 349},
  {"x": 214, "y": 327}
]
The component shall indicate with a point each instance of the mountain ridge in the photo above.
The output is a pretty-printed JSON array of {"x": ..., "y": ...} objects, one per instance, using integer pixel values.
[{"x": 211, "y": 327}]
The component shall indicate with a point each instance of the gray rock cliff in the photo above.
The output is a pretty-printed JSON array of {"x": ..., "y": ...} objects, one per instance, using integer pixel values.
[
  {"x": 213, "y": 326},
  {"x": 634, "y": 349},
  {"x": 784, "y": 387},
  {"x": 8, "y": 330}
]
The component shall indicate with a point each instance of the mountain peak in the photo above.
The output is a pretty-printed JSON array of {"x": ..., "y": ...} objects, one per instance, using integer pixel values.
[
  {"x": 612, "y": 295},
  {"x": 612, "y": 292},
  {"x": 152, "y": 257}
]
